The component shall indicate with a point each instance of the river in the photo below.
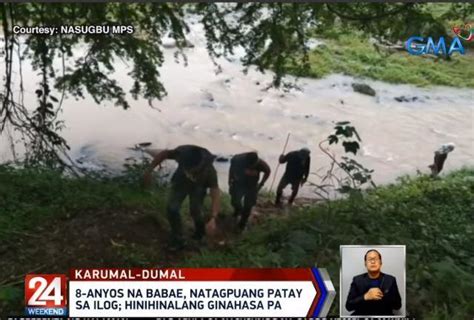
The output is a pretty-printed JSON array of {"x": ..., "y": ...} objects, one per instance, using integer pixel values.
[{"x": 229, "y": 112}]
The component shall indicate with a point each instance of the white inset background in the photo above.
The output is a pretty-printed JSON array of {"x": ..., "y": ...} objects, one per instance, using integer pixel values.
[{"x": 393, "y": 263}]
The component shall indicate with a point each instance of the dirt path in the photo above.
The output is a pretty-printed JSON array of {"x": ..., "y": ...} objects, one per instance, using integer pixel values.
[
  {"x": 107, "y": 238},
  {"x": 104, "y": 238}
]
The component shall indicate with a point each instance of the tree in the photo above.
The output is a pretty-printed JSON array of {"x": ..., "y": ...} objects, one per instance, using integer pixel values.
[{"x": 273, "y": 35}]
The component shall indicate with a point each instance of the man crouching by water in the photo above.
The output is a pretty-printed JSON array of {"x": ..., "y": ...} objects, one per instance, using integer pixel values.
[
  {"x": 440, "y": 157},
  {"x": 195, "y": 174}
]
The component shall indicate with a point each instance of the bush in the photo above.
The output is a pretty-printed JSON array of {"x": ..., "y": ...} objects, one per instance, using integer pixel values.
[{"x": 432, "y": 217}]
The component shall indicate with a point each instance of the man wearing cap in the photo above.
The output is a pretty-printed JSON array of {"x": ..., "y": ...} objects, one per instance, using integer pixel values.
[
  {"x": 244, "y": 176},
  {"x": 296, "y": 173},
  {"x": 195, "y": 174}
]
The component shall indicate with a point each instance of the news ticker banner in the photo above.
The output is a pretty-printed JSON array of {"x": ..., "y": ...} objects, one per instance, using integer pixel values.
[{"x": 181, "y": 292}]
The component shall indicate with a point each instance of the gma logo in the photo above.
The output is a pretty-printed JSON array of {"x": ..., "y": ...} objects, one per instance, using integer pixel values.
[{"x": 420, "y": 45}]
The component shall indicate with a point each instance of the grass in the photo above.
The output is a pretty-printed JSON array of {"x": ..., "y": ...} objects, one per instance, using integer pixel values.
[
  {"x": 353, "y": 55},
  {"x": 350, "y": 52},
  {"x": 30, "y": 197},
  {"x": 432, "y": 217}
]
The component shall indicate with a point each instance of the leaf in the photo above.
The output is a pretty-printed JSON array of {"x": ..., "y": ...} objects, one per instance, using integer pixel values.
[
  {"x": 348, "y": 132},
  {"x": 333, "y": 139},
  {"x": 351, "y": 146},
  {"x": 342, "y": 123},
  {"x": 340, "y": 131},
  {"x": 345, "y": 189},
  {"x": 53, "y": 98},
  {"x": 39, "y": 93}
]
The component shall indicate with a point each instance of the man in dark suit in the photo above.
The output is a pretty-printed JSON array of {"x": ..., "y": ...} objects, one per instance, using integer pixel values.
[{"x": 373, "y": 293}]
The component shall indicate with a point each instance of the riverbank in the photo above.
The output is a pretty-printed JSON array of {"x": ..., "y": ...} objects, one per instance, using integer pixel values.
[
  {"x": 50, "y": 224},
  {"x": 355, "y": 55}
]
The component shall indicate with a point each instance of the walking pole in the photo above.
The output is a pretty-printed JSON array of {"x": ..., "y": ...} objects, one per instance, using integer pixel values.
[{"x": 276, "y": 170}]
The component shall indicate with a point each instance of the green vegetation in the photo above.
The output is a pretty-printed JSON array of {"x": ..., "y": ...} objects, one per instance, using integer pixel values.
[
  {"x": 49, "y": 223},
  {"x": 353, "y": 54},
  {"x": 31, "y": 196},
  {"x": 347, "y": 49},
  {"x": 432, "y": 217}
]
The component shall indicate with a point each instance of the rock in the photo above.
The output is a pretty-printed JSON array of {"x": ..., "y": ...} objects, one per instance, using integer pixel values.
[
  {"x": 363, "y": 88},
  {"x": 143, "y": 144},
  {"x": 222, "y": 159},
  {"x": 400, "y": 99},
  {"x": 406, "y": 99}
]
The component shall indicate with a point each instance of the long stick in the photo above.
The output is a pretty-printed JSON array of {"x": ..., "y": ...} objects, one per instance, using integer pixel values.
[{"x": 276, "y": 170}]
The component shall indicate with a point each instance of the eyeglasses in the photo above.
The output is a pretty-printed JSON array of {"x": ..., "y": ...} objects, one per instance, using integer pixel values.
[{"x": 373, "y": 260}]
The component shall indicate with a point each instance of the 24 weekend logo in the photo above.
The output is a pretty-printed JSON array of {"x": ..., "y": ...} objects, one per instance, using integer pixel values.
[
  {"x": 46, "y": 295},
  {"x": 418, "y": 45}
]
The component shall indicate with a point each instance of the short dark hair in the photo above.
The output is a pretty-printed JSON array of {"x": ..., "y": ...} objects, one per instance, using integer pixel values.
[
  {"x": 193, "y": 159},
  {"x": 251, "y": 158},
  {"x": 372, "y": 250}
]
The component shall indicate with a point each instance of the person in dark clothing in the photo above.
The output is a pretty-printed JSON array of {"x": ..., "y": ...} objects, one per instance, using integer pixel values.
[
  {"x": 373, "y": 293},
  {"x": 440, "y": 157},
  {"x": 244, "y": 175},
  {"x": 296, "y": 172},
  {"x": 194, "y": 175}
]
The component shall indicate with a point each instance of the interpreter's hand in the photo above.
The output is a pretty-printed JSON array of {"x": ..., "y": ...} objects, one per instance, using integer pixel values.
[
  {"x": 373, "y": 294},
  {"x": 211, "y": 227}
]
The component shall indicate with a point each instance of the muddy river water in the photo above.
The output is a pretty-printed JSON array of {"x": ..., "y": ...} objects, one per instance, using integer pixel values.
[{"x": 229, "y": 112}]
